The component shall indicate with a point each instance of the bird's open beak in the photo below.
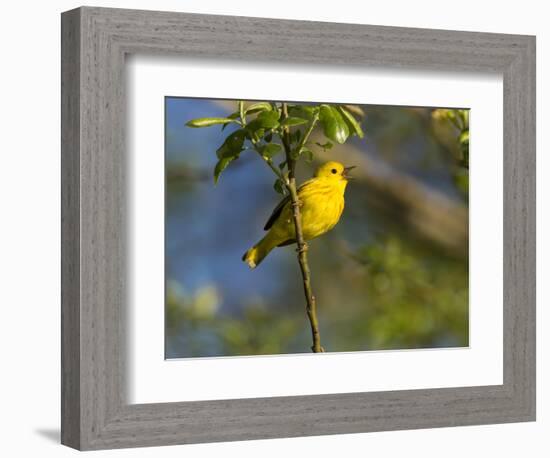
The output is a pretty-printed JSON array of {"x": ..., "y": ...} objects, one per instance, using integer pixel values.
[{"x": 346, "y": 174}]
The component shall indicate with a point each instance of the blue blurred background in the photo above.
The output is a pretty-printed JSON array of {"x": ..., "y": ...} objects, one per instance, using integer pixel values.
[{"x": 393, "y": 274}]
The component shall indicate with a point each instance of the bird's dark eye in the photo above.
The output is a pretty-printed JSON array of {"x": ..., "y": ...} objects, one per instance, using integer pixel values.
[{"x": 334, "y": 170}]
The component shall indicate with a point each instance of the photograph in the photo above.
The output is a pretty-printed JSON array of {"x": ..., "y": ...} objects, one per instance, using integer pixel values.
[{"x": 296, "y": 227}]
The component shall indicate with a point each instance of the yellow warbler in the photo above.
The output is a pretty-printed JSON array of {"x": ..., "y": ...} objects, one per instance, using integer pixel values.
[{"x": 321, "y": 205}]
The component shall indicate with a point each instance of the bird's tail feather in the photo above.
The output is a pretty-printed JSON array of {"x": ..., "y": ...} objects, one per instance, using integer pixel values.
[{"x": 255, "y": 255}]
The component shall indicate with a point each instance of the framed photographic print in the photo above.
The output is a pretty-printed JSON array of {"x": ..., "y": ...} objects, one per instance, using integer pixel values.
[{"x": 284, "y": 228}]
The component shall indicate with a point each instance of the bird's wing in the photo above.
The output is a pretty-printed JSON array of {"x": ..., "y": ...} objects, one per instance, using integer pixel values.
[
  {"x": 279, "y": 208},
  {"x": 276, "y": 213}
]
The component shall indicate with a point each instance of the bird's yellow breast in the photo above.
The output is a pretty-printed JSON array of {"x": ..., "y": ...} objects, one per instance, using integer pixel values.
[{"x": 322, "y": 204}]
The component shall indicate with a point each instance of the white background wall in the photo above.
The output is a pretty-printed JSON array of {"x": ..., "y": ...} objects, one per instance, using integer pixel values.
[{"x": 29, "y": 233}]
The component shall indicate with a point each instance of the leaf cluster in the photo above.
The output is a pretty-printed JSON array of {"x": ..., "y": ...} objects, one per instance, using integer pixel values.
[
  {"x": 459, "y": 120},
  {"x": 270, "y": 129}
]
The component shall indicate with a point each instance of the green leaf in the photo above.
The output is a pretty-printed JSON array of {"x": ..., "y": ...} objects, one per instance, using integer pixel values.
[
  {"x": 464, "y": 137},
  {"x": 268, "y": 119},
  {"x": 265, "y": 120},
  {"x": 270, "y": 150},
  {"x": 334, "y": 126},
  {"x": 325, "y": 146},
  {"x": 268, "y": 137},
  {"x": 241, "y": 111},
  {"x": 464, "y": 116},
  {"x": 233, "y": 144},
  {"x": 279, "y": 186},
  {"x": 233, "y": 115},
  {"x": 308, "y": 154},
  {"x": 259, "y": 134},
  {"x": 302, "y": 111},
  {"x": 294, "y": 153},
  {"x": 221, "y": 166},
  {"x": 352, "y": 123},
  {"x": 256, "y": 107},
  {"x": 293, "y": 121},
  {"x": 296, "y": 136},
  {"x": 207, "y": 122},
  {"x": 282, "y": 165}
]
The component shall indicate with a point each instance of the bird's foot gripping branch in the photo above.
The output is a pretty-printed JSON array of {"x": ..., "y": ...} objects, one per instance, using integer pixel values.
[{"x": 280, "y": 129}]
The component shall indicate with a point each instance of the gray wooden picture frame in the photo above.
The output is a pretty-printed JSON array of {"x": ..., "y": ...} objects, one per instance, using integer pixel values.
[{"x": 95, "y": 412}]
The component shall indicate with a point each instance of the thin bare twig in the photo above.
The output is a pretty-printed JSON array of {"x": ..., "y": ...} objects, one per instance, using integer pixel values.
[
  {"x": 290, "y": 184},
  {"x": 311, "y": 305}
]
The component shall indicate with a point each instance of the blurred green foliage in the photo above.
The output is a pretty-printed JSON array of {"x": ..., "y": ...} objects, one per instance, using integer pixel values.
[
  {"x": 405, "y": 297},
  {"x": 415, "y": 299},
  {"x": 457, "y": 121},
  {"x": 194, "y": 322},
  {"x": 409, "y": 298}
]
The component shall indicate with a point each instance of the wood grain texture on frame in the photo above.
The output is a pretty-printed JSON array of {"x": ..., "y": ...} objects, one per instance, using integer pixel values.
[{"x": 95, "y": 412}]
